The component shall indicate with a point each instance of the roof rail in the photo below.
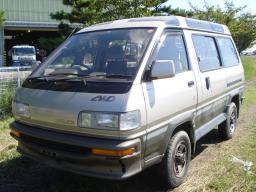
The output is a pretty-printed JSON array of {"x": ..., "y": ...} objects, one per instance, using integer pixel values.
[{"x": 204, "y": 25}]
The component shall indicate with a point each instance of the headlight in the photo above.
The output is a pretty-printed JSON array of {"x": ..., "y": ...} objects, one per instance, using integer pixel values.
[
  {"x": 130, "y": 120},
  {"x": 109, "y": 121},
  {"x": 21, "y": 109},
  {"x": 98, "y": 120},
  {"x": 106, "y": 120}
]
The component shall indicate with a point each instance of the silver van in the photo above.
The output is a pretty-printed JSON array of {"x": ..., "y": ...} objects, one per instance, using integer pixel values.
[{"x": 118, "y": 97}]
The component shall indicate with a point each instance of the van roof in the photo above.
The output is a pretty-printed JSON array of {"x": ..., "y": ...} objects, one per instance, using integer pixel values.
[
  {"x": 165, "y": 21},
  {"x": 23, "y": 46}
]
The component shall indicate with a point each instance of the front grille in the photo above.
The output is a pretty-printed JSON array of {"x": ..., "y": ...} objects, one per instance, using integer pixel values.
[{"x": 51, "y": 145}]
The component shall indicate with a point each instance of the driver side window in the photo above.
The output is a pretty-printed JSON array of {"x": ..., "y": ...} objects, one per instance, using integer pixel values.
[{"x": 173, "y": 48}]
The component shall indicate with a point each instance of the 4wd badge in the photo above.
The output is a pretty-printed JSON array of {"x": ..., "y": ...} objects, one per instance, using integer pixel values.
[{"x": 103, "y": 98}]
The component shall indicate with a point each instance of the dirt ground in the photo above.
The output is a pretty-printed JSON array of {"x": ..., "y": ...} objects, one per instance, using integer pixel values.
[{"x": 18, "y": 173}]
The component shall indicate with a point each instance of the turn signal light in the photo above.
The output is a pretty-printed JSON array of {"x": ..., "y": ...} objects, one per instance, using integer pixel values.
[
  {"x": 15, "y": 133},
  {"x": 116, "y": 153}
]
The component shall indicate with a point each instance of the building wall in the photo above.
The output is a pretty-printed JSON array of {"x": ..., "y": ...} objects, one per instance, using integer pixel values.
[
  {"x": 28, "y": 14},
  {"x": 31, "y": 10}
]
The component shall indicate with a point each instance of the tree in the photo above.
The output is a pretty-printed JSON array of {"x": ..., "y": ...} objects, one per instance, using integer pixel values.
[
  {"x": 2, "y": 17},
  {"x": 242, "y": 25},
  {"x": 89, "y": 12},
  {"x": 49, "y": 44}
]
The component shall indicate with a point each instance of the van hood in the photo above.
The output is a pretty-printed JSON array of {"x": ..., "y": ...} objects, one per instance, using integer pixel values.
[{"x": 60, "y": 110}]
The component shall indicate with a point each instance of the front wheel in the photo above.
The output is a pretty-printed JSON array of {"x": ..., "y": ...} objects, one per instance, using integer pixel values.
[
  {"x": 176, "y": 161},
  {"x": 227, "y": 128}
]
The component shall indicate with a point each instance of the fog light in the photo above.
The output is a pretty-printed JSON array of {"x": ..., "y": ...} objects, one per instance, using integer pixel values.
[{"x": 116, "y": 153}]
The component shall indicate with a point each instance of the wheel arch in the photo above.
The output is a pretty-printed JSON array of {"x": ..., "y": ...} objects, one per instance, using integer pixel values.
[
  {"x": 236, "y": 99},
  {"x": 186, "y": 126}
]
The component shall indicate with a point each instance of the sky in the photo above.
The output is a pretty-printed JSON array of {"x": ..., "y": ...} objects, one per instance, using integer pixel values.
[{"x": 251, "y": 4}]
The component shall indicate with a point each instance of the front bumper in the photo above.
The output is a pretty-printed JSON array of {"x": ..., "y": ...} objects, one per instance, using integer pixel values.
[{"x": 73, "y": 152}]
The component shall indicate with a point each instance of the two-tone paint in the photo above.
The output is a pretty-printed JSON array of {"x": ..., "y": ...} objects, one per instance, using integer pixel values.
[{"x": 184, "y": 101}]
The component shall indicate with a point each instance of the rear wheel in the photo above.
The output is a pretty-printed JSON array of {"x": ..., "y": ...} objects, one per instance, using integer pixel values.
[
  {"x": 176, "y": 161},
  {"x": 227, "y": 128}
]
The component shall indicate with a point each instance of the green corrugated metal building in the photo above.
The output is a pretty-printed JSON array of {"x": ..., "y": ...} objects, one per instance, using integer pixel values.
[{"x": 25, "y": 16}]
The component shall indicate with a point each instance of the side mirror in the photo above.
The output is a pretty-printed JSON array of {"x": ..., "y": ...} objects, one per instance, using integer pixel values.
[{"x": 162, "y": 69}]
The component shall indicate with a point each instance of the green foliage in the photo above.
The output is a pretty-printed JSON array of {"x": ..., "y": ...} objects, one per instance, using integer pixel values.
[
  {"x": 231, "y": 176},
  {"x": 5, "y": 123},
  {"x": 89, "y": 12},
  {"x": 2, "y": 17},
  {"x": 249, "y": 96},
  {"x": 6, "y": 102},
  {"x": 249, "y": 64},
  {"x": 242, "y": 25},
  {"x": 50, "y": 44}
]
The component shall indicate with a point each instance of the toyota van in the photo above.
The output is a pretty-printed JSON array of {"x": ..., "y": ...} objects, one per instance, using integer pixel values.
[{"x": 118, "y": 97}]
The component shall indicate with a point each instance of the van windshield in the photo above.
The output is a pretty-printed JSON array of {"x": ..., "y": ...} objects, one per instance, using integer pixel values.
[
  {"x": 24, "y": 51},
  {"x": 109, "y": 53}
]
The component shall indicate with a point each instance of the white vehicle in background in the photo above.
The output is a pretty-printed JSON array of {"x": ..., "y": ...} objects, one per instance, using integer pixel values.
[
  {"x": 23, "y": 55},
  {"x": 249, "y": 51}
]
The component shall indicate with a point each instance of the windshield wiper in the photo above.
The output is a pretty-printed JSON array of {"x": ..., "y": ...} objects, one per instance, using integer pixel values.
[
  {"x": 118, "y": 76},
  {"x": 64, "y": 77},
  {"x": 39, "y": 77},
  {"x": 61, "y": 77}
]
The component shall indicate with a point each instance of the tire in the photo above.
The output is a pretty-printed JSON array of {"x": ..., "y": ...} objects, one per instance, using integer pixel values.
[
  {"x": 227, "y": 128},
  {"x": 174, "y": 166}
]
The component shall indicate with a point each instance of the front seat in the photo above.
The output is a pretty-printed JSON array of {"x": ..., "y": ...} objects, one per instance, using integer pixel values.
[{"x": 115, "y": 63}]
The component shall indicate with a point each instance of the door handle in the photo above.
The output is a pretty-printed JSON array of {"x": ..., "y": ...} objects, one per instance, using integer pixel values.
[
  {"x": 208, "y": 83},
  {"x": 191, "y": 83}
]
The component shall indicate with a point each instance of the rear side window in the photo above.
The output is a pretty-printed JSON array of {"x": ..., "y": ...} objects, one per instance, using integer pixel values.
[
  {"x": 173, "y": 48},
  {"x": 207, "y": 53},
  {"x": 228, "y": 52}
]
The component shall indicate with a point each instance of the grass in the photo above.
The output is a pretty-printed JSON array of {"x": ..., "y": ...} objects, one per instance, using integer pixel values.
[
  {"x": 5, "y": 123},
  {"x": 6, "y": 102},
  {"x": 232, "y": 176},
  {"x": 5, "y": 140},
  {"x": 249, "y": 64},
  {"x": 249, "y": 95}
]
